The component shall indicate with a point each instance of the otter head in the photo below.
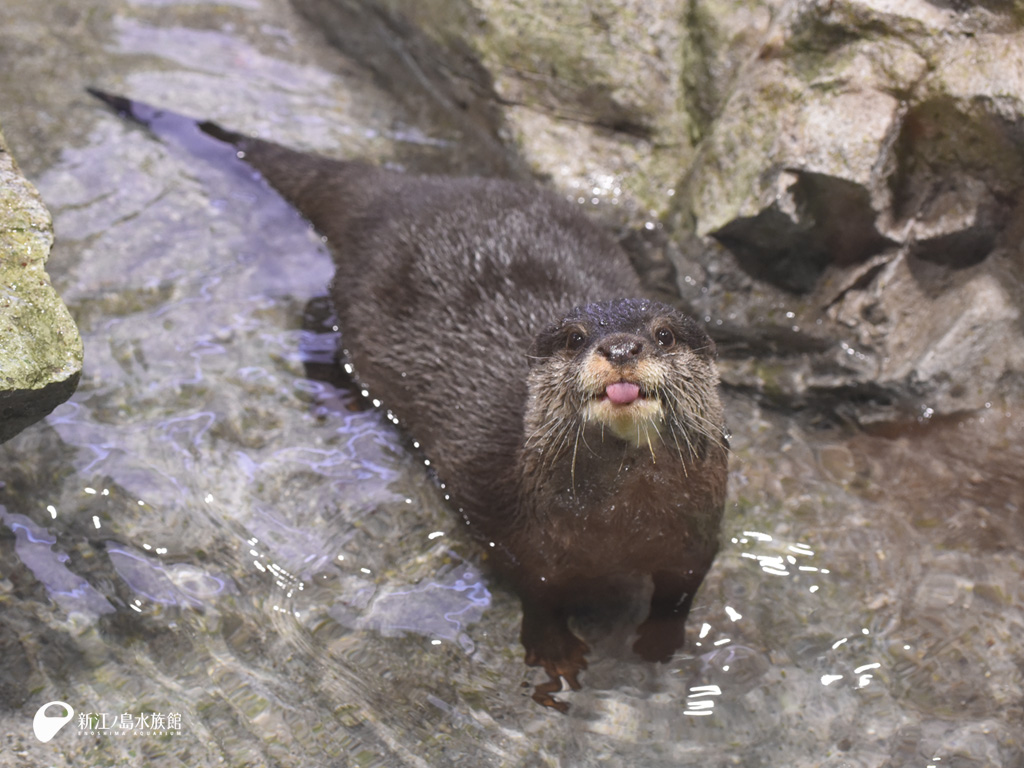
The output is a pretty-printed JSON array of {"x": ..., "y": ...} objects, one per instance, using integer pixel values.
[{"x": 636, "y": 370}]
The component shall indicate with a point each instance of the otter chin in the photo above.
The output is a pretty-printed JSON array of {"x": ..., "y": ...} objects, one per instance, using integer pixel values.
[
  {"x": 576, "y": 424},
  {"x": 628, "y": 412}
]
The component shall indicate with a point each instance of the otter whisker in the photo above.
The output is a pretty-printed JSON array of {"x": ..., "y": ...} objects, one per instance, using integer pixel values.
[
  {"x": 679, "y": 451},
  {"x": 699, "y": 423},
  {"x": 558, "y": 436},
  {"x": 689, "y": 443},
  {"x": 693, "y": 422},
  {"x": 552, "y": 436},
  {"x": 622, "y": 458},
  {"x": 548, "y": 435},
  {"x": 576, "y": 446},
  {"x": 652, "y": 425},
  {"x": 673, "y": 430}
]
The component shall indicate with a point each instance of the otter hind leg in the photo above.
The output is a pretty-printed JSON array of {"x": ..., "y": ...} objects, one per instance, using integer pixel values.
[
  {"x": 550, "y": 644},
  {"x": 664, "y": 630}
]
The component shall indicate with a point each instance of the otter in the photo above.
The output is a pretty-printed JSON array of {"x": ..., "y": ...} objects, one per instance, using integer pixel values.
[{"x": 575, "y": 423}]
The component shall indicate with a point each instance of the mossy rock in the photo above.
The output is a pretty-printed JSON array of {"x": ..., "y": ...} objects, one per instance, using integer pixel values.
[{"x": 40, "y": 347}]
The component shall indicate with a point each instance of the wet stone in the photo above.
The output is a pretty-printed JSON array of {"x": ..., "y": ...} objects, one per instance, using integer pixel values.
[{"x": 40, "y": 349}]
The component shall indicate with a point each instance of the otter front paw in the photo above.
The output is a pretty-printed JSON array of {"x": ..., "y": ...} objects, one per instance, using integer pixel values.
[
  {"x": 659, "y": 638},
  {"x": 567, "y": 660},
  {"x": 550, "y": 644},
  {"x": 566, "y": 664}
]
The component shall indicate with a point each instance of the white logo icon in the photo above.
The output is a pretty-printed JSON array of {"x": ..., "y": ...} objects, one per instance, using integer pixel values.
[{"x": 46, "y": 727}]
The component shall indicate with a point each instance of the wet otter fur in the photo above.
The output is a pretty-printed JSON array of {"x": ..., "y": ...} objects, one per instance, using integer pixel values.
[{"x": 576, "y": 425}]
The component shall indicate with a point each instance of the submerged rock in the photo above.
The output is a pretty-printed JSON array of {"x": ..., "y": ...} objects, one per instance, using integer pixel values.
[{"x": 40, "y": 348}]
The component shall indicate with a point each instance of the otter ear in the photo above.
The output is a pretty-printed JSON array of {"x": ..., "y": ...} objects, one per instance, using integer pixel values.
[
  {"x": 710, "y": 349},
  {"x": 696, "y": 338},
  {"x": 543, "y": 345}
]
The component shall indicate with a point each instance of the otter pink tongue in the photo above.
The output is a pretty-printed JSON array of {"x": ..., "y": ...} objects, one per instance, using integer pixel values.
[{"x": 622, "y": 393}]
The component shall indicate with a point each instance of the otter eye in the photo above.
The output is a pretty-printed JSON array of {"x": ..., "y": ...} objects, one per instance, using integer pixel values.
[
  {"x": 665, "y": 337},
  {"x": 575, "y": 340}
]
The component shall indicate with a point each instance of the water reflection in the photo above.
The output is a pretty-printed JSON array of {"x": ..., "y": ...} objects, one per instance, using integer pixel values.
[
  {"x": 34, "y": 546},
  {"x": 180, "y": 584},
  {"x": 442, "y": 608},
  {"x": 700, "y": 701}
]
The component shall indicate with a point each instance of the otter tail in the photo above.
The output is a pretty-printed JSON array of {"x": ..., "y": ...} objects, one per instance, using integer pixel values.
[
  {"x": 119, "y": 104},
  {"x": 233, "y": 138},
  {"x": 305, "y": 180}
]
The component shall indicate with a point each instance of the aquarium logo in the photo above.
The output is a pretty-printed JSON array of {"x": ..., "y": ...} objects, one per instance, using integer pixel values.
[{"x": 46, "y": 726}]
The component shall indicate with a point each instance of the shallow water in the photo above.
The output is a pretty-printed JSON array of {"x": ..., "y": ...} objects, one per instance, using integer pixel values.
[{"x": 213, "y": 529}]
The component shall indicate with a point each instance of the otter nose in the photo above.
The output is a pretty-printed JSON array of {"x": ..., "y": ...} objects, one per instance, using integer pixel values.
[{"x": 621, "y": 350}]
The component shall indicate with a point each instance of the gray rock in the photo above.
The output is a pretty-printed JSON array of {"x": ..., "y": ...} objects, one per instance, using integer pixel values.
[
  {"x": 589, "y": 94},
  {"x": 836, "y": 182},
  {"x": 40, "y": 348},
  {"x": 868, "y": 166}
]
